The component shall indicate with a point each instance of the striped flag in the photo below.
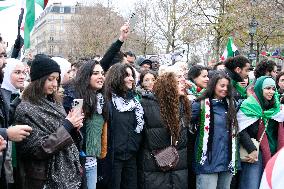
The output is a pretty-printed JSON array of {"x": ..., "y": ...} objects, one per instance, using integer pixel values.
[
  {"x": 29, "y": 22},
  {"x": 272, "y": 177},
  {"x": 30, "y": 19},
  {"x": 230, "y": 50}
]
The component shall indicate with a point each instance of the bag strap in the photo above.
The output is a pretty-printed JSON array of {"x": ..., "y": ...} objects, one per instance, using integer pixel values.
[{"x": 262, "y": 135}]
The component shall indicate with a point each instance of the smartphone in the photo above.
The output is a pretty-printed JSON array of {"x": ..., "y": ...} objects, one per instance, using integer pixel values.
[
  {"x": 132, "y": 20},
  {"x": 77, "y": 104}
]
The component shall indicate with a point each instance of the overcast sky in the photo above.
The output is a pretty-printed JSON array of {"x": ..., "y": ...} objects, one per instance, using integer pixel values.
[{"x": 124, "y": 7}]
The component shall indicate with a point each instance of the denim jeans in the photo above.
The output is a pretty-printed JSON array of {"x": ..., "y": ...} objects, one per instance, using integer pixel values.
[
  {"x": 91, "y": 174},
  {"x": 221, "y": 180},
  {"x": 251, "y": 174}
]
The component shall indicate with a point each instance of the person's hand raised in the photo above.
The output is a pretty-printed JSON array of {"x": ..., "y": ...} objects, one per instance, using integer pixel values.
[{"x": 124, "y": 32}]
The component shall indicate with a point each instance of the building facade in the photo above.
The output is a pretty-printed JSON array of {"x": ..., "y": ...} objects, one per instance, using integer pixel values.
[{"x": 49, "y": 35}]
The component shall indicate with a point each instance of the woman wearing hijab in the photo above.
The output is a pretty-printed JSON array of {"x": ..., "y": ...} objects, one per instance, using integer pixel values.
[
  {"x": 13, "y": 82},
  {"x": 260, "y": 117},
  {"x": 48, "y": 157}
]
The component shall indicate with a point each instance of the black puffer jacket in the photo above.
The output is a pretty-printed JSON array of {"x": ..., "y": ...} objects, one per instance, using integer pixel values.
[{"x": 156, "y": 137}]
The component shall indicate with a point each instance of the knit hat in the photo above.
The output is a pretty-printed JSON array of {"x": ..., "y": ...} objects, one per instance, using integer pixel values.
[
  {"x": 141, "y": 60},
  {"x": 268, "y": 82},
  {"x": 42, "y": 65}
]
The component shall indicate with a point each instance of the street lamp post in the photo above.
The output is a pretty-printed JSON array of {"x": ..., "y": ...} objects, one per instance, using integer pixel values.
[{"x": 252, "y": 30}]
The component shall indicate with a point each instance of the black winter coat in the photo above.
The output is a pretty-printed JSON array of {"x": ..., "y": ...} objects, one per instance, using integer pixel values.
[{"x": 155, "y": 137}]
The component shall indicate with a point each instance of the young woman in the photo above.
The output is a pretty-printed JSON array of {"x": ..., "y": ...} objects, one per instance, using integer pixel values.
[
  {"x": 258, "y": 113},
  {"x": 87, "y": 85},
  {"x": 13, "y": 82},
  {"x": 198, "y": 78},
  {"x": 167, "y": 115},
  {"x": 48, "y": 157},
  {"x": 147, "y": 80},
  {"x": 125, "y": 124},
  {"x": 216, "y": 153}
]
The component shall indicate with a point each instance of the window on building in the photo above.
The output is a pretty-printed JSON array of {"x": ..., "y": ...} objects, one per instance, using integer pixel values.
[
  {"x": 51, "y": 38},
  {"x": 51, "y": 50},
  {"x": 61, "y": 10},
  {"x": 62, "y": 19},
  {"x": 51, "y": 18},
  {"x": 73, "y": 10},
  {"x": 52, "y": 28}
]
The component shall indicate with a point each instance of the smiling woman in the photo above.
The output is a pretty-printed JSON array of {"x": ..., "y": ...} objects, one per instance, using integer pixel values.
[
  {"x": 214, "y": 115},
  {"x": 87, "y": 85},
  {"x": 126, "y": 121}
]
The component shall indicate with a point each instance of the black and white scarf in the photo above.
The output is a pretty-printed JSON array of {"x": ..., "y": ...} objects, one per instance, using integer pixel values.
[
  {"x": 100, "y": 103},
  {"x": 125, "y": 105}
]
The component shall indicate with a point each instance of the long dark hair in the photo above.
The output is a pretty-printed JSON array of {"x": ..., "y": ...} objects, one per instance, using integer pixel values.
[
  {"x": 210, "y": 93},
  {"x": 114, "y": 82},
  {"x": 83, "y": 89},
  {"x": 34, "y": 91},
  {"x": 166, "y": 92},
  {"x": 232, "y": 123}
]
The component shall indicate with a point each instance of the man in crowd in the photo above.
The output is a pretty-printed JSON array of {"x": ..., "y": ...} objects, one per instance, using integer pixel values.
[
  {"x": 238, "y": 69},
  {"x": 130, "y": 57}
]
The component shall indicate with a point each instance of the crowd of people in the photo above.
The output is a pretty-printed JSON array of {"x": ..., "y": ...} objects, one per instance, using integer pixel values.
[{"x": 141, "y": 125}]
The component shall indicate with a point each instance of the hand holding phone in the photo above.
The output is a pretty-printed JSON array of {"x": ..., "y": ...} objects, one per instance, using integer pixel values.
[{"x": 76, "y": 116}]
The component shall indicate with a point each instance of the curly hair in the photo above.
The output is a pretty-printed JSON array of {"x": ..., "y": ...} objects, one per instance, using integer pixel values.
[
  {"x": 166, "y": 92},
  {"x": 237, "y": 61},
  {"x": 263, "y": 67}
]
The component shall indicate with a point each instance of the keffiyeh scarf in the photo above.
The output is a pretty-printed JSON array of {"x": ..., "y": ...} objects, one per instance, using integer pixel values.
[{"x": 125, "y": 105}]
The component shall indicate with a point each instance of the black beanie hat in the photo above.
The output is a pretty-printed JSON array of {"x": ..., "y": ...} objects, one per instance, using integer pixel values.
[{"x": 42, "y": 65}]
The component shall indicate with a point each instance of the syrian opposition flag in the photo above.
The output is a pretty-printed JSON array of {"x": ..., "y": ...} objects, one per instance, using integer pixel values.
[
  {"x": 230, "y": 50},
  {"x": 251, "y": 111},
  {"x": 272, "y": 177},
  {"x": 30, "y": 18}
]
